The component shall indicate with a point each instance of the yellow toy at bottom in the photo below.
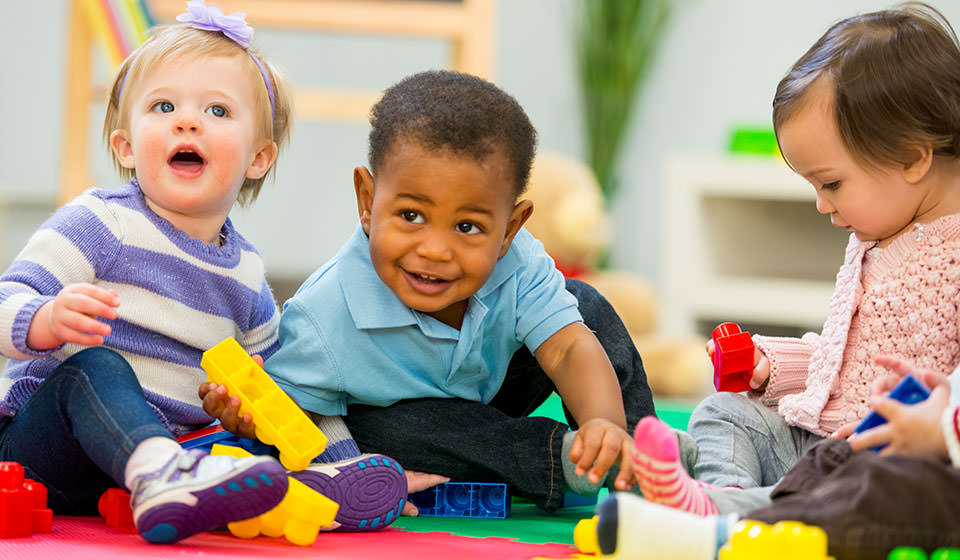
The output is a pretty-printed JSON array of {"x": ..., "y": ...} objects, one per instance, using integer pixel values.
[
  {"x": 786, "y": 540},
  {"x": 298, "y": 517}
]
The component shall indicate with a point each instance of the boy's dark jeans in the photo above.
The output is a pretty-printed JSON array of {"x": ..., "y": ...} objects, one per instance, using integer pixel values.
[
  {"x": 78, "y": 429},
  {"x": 497, "y": 442},
  {"x": 869, "y": 504}
]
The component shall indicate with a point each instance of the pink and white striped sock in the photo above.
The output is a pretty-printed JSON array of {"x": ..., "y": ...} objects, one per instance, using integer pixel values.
[{"x": 662, "y": 478}]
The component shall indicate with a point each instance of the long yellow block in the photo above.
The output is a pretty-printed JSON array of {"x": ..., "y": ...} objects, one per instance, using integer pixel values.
[{"x": 277, "y": 418}]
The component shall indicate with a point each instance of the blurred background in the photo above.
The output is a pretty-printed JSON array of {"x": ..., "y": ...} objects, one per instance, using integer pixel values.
[{"x": 705, "y": 223}]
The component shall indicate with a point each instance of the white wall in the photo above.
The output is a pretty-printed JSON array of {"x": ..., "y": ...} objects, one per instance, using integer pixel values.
[{"x": 719, "y": 65}]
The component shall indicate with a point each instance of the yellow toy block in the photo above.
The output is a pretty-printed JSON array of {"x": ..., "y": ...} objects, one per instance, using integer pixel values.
[
  {"x": 277, "y": 419},
  {"x": 298, "y": 517},
  {"x": 787, "y": 540}
]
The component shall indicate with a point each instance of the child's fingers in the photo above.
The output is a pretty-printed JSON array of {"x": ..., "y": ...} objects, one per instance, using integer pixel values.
[
  {"x": 258, "y": 358},
  {"x": 845, "y": 431},
  {"x": 897, "y": 365},
  {"x": 871, "y": 438},
  {"x": 590, "y": 442},
  {"x": 606, "y": 457},
  {"x": 246, "y": 428},
  {"x": 711, "y": 347},
  {"x": 626, "y": 477}
]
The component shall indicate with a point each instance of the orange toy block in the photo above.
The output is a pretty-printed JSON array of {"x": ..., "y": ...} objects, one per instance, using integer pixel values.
[
  {"x": 114, "y": 508},
  {"x": 298, "y": 517},
  {"x": 277, "y": 419},
  {"x": 787, "y": 540},
  {"x": 23, "y": 503}
]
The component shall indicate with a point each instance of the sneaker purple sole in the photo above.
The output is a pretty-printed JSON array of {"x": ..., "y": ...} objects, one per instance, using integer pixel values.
[
  {"x": 370, "y": 489},
  {"x": 247, "y": 494}
]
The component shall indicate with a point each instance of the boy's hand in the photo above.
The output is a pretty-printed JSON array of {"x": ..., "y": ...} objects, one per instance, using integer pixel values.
[
  {"x": 73, "y": 316},
  {"x": 217, "y": 402},
  {"x": 416, "y": 482},
  {"x": 761, "y": 365},
  {"x": 597, "y": 446}
]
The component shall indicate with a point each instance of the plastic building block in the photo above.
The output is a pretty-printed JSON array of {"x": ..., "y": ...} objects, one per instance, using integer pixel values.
[
  {"x": 204, "y": 438},
  {"x": 908, "y": 391},
  {"x": 23, "y": 503},
  {"x": 485, "y": 500},
  {"x": 277, "y": 419},
  {"x": 915, "y": 553},
  {"x": 298, "y": 517},
  {"x": 732, "y": 358},
  {"x": 787, "y": 540},
  {"x": 572, "y": 499},
  {"x": 114, "y": 508}
]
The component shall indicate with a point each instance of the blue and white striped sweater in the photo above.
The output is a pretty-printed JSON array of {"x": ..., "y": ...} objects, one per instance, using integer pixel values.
[{"x": 178, "y": 297}]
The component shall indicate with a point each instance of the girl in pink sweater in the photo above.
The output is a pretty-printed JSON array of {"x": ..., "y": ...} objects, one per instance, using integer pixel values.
[{"x": 870, "y": 116}]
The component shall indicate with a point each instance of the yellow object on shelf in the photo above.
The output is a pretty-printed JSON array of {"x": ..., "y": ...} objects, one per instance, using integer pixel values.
[
  {"x": 298, "y": 517},
  {"x": 786, "y": 540},
  {"x": 277, "y": 419}
]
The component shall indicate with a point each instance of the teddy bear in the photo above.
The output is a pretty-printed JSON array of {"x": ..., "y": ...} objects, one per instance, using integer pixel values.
[{"x": 570, "y": 218}]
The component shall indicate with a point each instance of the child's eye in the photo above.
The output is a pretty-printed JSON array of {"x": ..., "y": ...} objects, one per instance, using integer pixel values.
[
  {"x": 411, "y": 216},
  {"x": 217, "y": 110},
  {"x": 831, "y": 186},
  {"x": 162, "y": 107},
  {"x": 468, "y": 228}
]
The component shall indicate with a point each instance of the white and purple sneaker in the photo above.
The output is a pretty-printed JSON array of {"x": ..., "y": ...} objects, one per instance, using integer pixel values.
[
  {"x": 197, "y": 492},
  {"x": 370, "y": 489}
]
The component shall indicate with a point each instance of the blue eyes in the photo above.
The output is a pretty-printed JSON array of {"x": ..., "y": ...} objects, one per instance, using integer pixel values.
[
  {"x": 166, "y": 107},
  {"x": 217, "y": 110}
]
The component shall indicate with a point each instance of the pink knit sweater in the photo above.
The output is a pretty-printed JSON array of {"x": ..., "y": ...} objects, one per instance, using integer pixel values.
[{"x": 907, "y": 304}]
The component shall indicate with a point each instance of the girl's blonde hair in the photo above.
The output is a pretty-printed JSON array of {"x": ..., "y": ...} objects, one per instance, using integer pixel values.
[
  {"x": 896, "y": 80},
  {"x": 187, "y": 42}
]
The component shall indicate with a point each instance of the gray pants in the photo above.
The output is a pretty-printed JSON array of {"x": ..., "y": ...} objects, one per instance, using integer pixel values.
[{"x": 737, "y": 442}]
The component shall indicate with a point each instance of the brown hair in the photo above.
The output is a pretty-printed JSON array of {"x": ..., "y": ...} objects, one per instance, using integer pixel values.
[
  {"x": 188, "y": 42},
  {"x": 896, "y": 80}
]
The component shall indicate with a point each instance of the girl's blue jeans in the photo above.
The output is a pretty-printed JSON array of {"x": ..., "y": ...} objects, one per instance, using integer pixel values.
[
  {"x": 78, "y": 429},
  {"x": 498, "y": 442}
]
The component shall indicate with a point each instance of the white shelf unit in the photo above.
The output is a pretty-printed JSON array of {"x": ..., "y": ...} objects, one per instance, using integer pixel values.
[{"x": 743, "y": 242}]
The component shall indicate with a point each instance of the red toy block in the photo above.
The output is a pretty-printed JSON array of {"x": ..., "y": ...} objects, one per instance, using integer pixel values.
[
  {"x": 15, "y": 502},
  {"x": 732, "y": 358},
  {"x": 114, "y": 507},
  {"x": 42, "y": 516}
]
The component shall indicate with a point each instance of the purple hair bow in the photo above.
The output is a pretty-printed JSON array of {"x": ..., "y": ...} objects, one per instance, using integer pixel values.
[{"x": 212, "y": 18}]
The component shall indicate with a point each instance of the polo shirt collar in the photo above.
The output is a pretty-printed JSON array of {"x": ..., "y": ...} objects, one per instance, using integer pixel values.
[{"x": 373, "y": 305}]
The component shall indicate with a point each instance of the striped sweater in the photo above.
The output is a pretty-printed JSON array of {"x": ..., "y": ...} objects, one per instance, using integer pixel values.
[{"x": 178, "y": 297}]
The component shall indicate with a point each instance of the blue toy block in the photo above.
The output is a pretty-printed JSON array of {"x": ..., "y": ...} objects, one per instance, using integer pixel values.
[
  {"x": 572, "y": 499},
  {"x": 204, "y": 438},
  {"x": 479, "y": 500},
  {"x": 908, "y": 391}
]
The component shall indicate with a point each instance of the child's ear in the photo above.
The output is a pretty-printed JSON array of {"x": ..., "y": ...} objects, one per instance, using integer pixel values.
[
  {"x": 262, "y": 160},
  {"x": 363, "y": 185},
  {"x": 122, "y": 148},
  {"x": 521, "y": 213},
  {"x": 916, "y": 170}
]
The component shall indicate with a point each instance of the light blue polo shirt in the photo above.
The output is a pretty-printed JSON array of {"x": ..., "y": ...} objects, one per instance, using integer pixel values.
[{"x": 346, "y": 338}]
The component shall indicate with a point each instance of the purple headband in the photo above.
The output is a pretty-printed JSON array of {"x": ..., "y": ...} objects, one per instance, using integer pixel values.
[{"x": 234, "y": 26}]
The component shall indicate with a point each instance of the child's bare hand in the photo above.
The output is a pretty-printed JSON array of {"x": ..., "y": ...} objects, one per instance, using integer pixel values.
[
  {"x": 73, "y": 316},
  {"x": 416, "y": 482},
  {"x": 597, "y": 446},
  {"x": 845, "y": 431},
  {"x": 217, "y": 402},
  {"x": 910, "y": 429},
  {"x": 901, "y": 368},
  {"x": 761, "y": 365}
]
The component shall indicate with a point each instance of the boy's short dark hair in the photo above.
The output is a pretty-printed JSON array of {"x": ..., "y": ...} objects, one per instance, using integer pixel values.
[
  {"x": 896, "y": 80},
  {"x": 454, "y": 111}
]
